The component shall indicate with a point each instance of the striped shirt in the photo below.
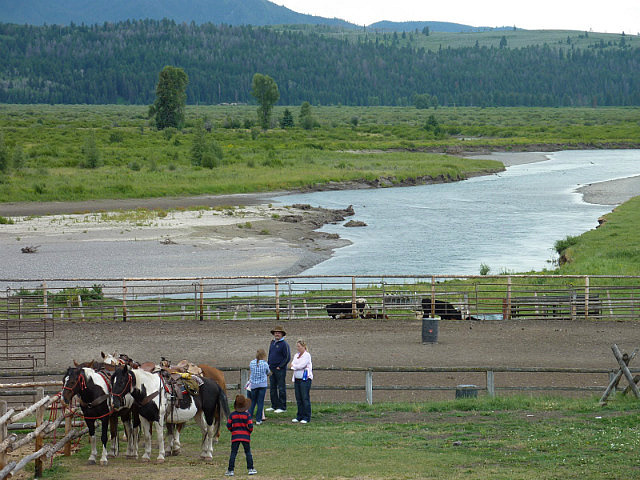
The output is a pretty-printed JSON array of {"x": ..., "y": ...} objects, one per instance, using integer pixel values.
[
  {"x": 240, "y": 425},
  {"x": 259, "y": 371}
]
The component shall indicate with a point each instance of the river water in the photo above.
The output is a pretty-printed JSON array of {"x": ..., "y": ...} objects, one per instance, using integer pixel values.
[{"x": 508, "y": 221}]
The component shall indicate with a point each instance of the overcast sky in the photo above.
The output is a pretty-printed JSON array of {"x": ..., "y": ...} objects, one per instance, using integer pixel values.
[{"x": 612, "y": 16}]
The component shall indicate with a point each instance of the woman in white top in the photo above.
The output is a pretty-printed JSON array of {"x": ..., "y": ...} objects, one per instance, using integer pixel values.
[{"x": 302, "y": 376}]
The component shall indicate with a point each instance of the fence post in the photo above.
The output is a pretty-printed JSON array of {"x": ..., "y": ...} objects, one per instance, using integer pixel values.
[
  {"x": 244, "y": 378},
  {"x": 354, "y": 311},
  {"x": 201, "y": 301},
  {"x": 433, "y": 297},
  {"x": 124, "y": 300},
  {"x": 508, "y": 309},
  {"x": 491, "y": 386},
  {"x": 67, "y": 428},
  {"x": 369, "y": 386},
  {"x": 586, "y": 297},
  {"x": 40, "y": 436},
  {"x": 3, "y": 433},
  {"x": 277, "y": 299}
]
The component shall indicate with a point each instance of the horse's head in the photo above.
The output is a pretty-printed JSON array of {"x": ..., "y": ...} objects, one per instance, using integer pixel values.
[
  {"x": 122, "y": 382},
  {"x": 72, "y": 384}
]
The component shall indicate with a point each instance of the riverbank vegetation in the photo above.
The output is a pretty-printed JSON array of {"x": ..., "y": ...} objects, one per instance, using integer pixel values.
[
  {"x": 80, "y": 152},
  {"x": 483, "y": 438}
]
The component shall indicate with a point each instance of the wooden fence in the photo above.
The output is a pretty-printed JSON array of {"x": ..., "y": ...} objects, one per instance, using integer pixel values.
[{"x": 42, "y": 429}]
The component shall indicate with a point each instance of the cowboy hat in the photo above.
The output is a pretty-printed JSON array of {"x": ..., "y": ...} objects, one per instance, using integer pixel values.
[
  {"x": 279, "y": 328},
  {"x": 241, "y": 403}
]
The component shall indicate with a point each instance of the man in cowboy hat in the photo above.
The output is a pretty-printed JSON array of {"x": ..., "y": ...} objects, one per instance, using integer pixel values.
[{"x": 279, "y": 358}]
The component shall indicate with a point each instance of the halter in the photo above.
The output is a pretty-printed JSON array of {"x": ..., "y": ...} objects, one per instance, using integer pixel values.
[
  {"x": 96, "y": 401},
  {"x": 126, "y": 389}
]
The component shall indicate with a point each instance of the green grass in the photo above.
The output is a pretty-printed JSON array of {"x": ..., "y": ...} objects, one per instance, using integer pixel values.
[
  {"x": 614, "y": 247},
  {"x": 506, "y": 438},
  {"x": 138, "y": 161}
]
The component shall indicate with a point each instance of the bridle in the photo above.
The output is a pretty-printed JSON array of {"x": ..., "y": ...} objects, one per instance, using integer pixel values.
[
  {"x": 126, "y": 389},
  {"x": 81, "y": 380}
]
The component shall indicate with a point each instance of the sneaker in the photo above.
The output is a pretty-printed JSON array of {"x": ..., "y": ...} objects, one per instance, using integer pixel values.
[
  {"x": 303, "y": 421},
  {"x": 279, "y": 410},
  {"x": 294, "y": 420},
  {"x": 258, "y": 423},
  {"x": 268, "y": 409},
  {"x": 229, "y": 473},
  {"x": 252, "y": 471}
]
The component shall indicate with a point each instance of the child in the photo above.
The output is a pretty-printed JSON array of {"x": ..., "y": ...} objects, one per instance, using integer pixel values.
[{"x": 240, "y": 425}]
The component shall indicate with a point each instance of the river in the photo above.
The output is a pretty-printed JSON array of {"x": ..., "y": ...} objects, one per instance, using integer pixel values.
[{"x": 508, "y": 221}]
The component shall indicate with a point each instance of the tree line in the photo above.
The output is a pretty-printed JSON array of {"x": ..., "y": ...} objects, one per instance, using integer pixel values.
[{"x": 119, "y": 63}]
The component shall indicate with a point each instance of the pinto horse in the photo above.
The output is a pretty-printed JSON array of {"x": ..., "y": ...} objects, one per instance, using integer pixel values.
[
  {"x": 93, "y": 390},
  {"x": 128, "y": 414},
  {"x": 158, "y": 404}
]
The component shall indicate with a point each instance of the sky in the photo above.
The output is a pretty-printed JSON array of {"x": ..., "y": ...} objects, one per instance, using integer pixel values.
[{"x": 613, "y": 16}]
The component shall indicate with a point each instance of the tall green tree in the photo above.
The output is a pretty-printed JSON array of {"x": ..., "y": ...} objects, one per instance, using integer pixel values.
[
  {"x": 171, "y": 98},
  {"x": 265, "y": 90}
]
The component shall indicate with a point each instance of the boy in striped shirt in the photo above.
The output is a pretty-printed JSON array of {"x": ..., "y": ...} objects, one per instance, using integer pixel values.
[{"x": 240, "y": 425}]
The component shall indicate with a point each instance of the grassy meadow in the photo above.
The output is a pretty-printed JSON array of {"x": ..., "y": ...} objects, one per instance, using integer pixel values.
[
  {"x": 348, "y": 144},
  {"x": 502, "y": 438}
]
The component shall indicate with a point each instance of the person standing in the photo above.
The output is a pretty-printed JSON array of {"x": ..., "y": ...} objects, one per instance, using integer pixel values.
[
  {"x": 279, "y": 358},
  {"x": 240, "y": 425},
  {"x": 302, "y": 376},
  {"x": 258, "y": 380}
]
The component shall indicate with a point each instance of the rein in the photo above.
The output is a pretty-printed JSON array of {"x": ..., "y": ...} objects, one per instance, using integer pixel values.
[{"x": 92, "y": 404}]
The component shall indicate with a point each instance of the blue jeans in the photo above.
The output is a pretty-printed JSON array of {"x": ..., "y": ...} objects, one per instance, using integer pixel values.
[
  {"x": 303, "y": 399},
  {"x": 257, "y": 400},
  {"x": 278, "y": 389},
  {"x": 234, "y": 452}
]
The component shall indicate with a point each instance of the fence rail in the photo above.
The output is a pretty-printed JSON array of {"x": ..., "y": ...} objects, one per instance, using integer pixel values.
[
  {"x": 240, "y": 375},
  {"x": 43, "y": 428}
]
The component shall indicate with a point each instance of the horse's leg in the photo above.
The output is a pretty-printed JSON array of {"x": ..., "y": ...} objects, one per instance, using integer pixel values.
[
  {"x": 170, "y": 437},
  {"x": 104, "y": 437},
  {"x": 175, "y": 449},
  {"x": 91, "y": 424},
  {"x": 146, "y": 428},
  {"x": 208, "y": 433},
  {"x": 160, "y": 435},
  {"x": 115, "y": 441},
  {"x": 135, "y": 433}
]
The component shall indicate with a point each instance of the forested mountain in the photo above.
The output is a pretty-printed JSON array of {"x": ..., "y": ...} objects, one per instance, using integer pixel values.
[
  {"x": 119, "y": 63},
  {"x": 230, "y": 12},
  {"x": 388, "y": 26}
]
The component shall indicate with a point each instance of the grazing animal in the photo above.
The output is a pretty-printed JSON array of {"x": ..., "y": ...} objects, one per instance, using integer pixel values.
[
  {"x": 161, "y": 403},
  {"x": 93, "y": 390},
  {"x": 443, "y": 309},
  {"x": 345, "y": 309}
]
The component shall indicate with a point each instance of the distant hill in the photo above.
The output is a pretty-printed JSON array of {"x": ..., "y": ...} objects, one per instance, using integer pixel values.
[
  {"x": 89, "y": 12},
  {"x": 387, "y": 26}
]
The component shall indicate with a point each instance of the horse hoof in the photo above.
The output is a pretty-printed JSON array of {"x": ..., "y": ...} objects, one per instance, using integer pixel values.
[
  {"x": 91, "y": 462},
  {"x": 132, "y": 456},
  {"x": 175, "y": 453},
  {"x": 146, "y": 460},
  {"x": 160, "y": 460},
  {"x": 104, "y": 464},
  {"x": 206, "y": 458}
]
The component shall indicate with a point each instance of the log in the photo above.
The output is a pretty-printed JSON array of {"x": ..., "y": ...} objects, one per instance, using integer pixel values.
[
  {"x": 28, "y": 411},
  {"x": 625, "y": 370},
  {"x": 72, "y": 435},
  {"x": 5, "y": 471},
  {"x": 29, "y": 458}
]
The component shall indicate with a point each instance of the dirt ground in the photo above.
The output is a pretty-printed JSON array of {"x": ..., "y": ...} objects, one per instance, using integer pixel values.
[{"x": 366, "y": 343}]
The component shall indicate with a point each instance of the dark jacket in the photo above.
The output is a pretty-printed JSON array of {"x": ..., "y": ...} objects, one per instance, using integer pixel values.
[{"x": 279, "y": 354}]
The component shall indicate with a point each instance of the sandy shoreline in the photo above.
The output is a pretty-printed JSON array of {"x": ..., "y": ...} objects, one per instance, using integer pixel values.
[{"x": 234, "y": 235}]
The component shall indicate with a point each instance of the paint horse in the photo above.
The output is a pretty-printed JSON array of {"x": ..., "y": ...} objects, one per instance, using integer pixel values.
[
  {"x": 159, "y": 403},
  {"x": 76, "y": 383},
  {"x": 93, "y": 389}
]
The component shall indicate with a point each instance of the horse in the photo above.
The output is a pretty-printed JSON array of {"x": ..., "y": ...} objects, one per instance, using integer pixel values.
[
  {"x": 159, "y": 403},
  {"x": 93, "y": 390},
  {"x": 128, "y": 413},
  {"x": 211, "y": 373}
]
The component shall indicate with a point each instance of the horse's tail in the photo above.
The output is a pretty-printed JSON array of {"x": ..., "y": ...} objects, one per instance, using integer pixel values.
[{"x": 223, "y": 403}]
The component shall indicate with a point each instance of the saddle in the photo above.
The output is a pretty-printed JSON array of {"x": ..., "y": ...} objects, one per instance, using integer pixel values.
[{"x": 184, "y": 374}]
